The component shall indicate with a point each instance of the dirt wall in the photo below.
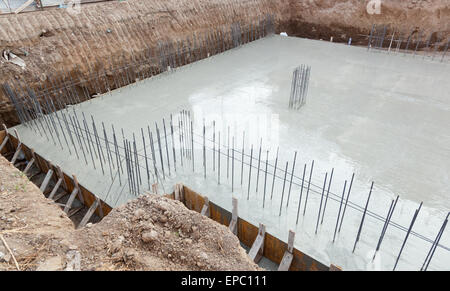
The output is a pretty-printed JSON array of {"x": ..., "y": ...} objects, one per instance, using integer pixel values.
[
  {"x": 321, "y": 19},
  {"x": 60, "y": 43}
]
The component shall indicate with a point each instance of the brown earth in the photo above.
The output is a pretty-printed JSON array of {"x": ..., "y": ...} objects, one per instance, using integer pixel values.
[
  {"x": 149, "y": 233},
  {"x": 58, "y": 43}
]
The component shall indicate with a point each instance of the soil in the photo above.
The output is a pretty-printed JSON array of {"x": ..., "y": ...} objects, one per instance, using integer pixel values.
[
  {"x": 58, "y": 45},
  {"x": 149, "y": 233}
]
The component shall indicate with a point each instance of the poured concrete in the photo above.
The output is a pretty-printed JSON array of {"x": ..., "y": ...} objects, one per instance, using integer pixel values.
[{"x": 384, "y": 117}]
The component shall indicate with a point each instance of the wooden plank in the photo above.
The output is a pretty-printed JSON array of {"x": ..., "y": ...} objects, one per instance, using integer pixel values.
[
  {"x": 59, "y": 196},
  {"x": 177, "y": 192},
  {"x": 25, "y": 5},
  {"x": 55, "y": 189},
  {"x": 77, "y": 186},
  {"x": 50, "y": 166},
  {"x": 291, "y": 241},
  {"x": 100, "y": 209},
  {"x": 234, "y": 217},
  {"x": 61, "y": 176},
  {"x": 286, "y": 262},
  {"x": 4, "y": 143},
  {"x": 205, "y": 209},
  {"x": 16, "y": 154},
  {"x": 89, "y": 214},
  {"x": 182, "y": 197},
  {"x": 74, "y": 211},
  {"x": 28, "y": 167},
  {"x": 288, "y": 255},
  {"x": 46, "y": 180},
  {"x": 256, "y": 251},
  {"x": 274, "y": 248},
  {"x": 70, "y": 201},
  {"x": 155, "y": 188}
]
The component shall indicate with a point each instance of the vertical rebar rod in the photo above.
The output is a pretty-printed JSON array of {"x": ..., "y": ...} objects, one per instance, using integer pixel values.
[
  {"x": 370, "y": 37},
  {"x": 146, "y": 160},
  {"x": 214, "y": 145},
  {"x": 127, "y": 165},
  {"x": 228, "y": 153},
  {"x": 150, "y": 135},
  {"x": 192, "y": 146},
  {"x": 88, "y": 134},
  {"x": 180, "y": 135},
  {"x": 77, "y": 123},
  {"x": 328, "y": 192},
  {"x": 218, "y": 160},
  {"x": 160, "y": 151},
  {"x": 434, "y": 245},
  {"x": 107, "y": 151},
  {"x": 265, "y": 178},
  {"x": 385, "y": 226},
  {"x": 363, "y": 218},
  {"x": 204, "y": 149},
  {"x": 321, "y": 200},
  {"x": 78, "y": 135},
  {"x": 89, "y": 142},
  {"x": 70, "y": 134},
  {"x": 274, "y": 173},
  {"x": 284, "y": 184},
  {"x": 259, "y": 165},
  {"x": 98, "y": 144},
  {"x": 301, "y": 194},
  {"x": 167, "y": 146},
  {"x": 242, "y": 157},
  {"x": 339, "y": 213},
  {"x": 292, "y": 177},
  {"x": 60, "y": 125},
  {"x": 173, "y": 144},
  {"x": 118, "y": 159},
  {"x": 419, "y": 38},
  {"x": 309, "y": 185},
  {"x": 138, "y": 168},
  {"x": 346, "y": 201},
  {"x": 416, "y": 213},
  {"x": 116, "y": 145},
  {"x": 250, "y": 172}
]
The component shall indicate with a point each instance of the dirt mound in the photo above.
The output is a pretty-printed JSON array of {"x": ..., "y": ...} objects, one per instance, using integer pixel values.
[
  {"x": 149, "y": 233},
  {"x": 154, "y": 233},
  {"x": 34, "y": 227}
]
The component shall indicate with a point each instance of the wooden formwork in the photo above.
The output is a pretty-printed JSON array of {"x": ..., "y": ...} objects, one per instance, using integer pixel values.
[
  {"x": 88, "y": 197},
  {"x": 274, "y": 248}
]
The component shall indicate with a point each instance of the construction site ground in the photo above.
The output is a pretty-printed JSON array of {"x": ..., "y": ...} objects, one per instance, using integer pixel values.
[{"x": 149, "y": 233}]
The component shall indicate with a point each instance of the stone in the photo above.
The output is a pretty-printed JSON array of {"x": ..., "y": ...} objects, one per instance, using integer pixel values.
[
  {"x": 138, "y": 214},
  {"x": 163, "y": 219},
  {"x": 149, "y": 236},
  {"x": 51, "y": 264}
]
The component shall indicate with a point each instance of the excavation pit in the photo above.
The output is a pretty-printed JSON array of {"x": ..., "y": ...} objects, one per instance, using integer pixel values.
[{"x": 374, "y": 114}]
